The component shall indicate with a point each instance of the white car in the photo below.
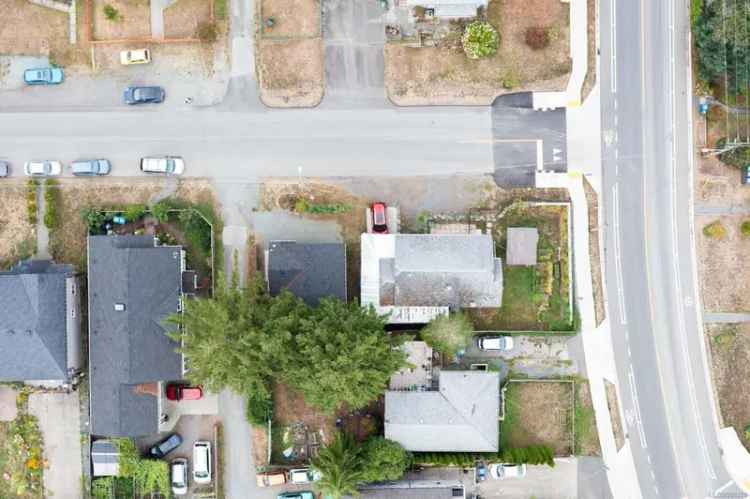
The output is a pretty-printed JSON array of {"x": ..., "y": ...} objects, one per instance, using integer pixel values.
[
  {"x": 42, "y": 168},
  {"x": 502, "y": 343},
  {"x": 179, "y": 476},
  {"x": 164, "y": 165},
  {"x": 501, "y": 471},
  {"x": 141, "y": 56},
  {"x": 202, "y": 462},
  {"x": 303, "y": 475}
]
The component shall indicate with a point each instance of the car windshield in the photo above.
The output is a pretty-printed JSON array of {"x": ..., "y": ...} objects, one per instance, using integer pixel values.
[
  {"x": 170, "y": 165},
  {"x": 201, "y": 474}
]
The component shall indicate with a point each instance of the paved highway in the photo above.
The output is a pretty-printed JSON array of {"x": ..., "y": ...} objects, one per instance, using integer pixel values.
[{"x": 650, "y": 261}]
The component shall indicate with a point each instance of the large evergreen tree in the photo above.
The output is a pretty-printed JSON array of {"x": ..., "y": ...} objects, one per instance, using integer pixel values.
[{"x": 721, "y": 37}]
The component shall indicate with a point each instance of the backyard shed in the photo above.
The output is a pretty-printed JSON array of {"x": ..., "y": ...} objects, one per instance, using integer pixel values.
[{"x": 104, "y": 458}]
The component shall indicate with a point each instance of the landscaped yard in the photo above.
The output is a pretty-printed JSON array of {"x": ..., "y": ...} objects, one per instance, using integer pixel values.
[
  {"x": 17, "y": 235},
  {"x": 534, "y": 298},
  {"x": 538, "y": 413},
  {"x": 130, "y": 19},
  {"x": 444, "y": 75},
  {"x": 21, "y": 455},
  {"x": 730, "y": 359}
]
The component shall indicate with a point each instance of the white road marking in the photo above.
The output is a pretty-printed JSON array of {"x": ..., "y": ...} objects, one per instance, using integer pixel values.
[
  {"x": 613, "y": 64},
  {"x": 636, "y": 405},
  {"x": 618, "y": 256}
]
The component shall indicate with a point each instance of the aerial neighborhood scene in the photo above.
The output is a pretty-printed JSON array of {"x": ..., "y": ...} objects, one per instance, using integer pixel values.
[{"x": 378, "y": 249}]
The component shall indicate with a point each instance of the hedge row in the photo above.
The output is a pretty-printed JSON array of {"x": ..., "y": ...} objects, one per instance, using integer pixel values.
[
  {"x": 534, "y": 454},
  {"x": 31, "y": 207},
  {"x": 51, "y": 204}
]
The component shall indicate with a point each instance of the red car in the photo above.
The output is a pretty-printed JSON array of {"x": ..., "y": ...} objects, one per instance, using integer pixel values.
[
  {"x": 176, "y": 391},
  {"x": 379, "y": 224}
]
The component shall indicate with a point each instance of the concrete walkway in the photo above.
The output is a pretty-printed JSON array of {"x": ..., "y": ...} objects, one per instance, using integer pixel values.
[
  {"x": 725, "y": 317},
  {"x": 42, "y": 233},
  {"x": 722, "y": 210},
  {"x": 157, "y": 17}
]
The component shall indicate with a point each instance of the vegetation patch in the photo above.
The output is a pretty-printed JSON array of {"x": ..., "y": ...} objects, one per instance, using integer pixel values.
[
  {"x": 448, "y": 334},
  {"x": 17, "y": 233},
  {"x": 22, "y": 454},
  {"x": 136, "y": 476},
  {"x": 586, "y": 433},
  {"x": 51, "y": 204},
  {"x": 715, "y": 230}
]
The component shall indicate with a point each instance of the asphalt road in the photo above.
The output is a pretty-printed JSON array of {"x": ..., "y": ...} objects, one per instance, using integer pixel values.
[{"x": 650, "y": 262}]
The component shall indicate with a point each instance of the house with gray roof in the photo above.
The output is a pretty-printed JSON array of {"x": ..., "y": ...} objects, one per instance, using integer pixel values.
[
  {"x": 450, "y": 9},
  {"x": 309, "y": 271},
  {"x": 521, "y": 247},
  {"x": 460, "y": 416},
  {"x": 133, "y": 286},
  {"x": 416, "y": 277},
  {"x": 40, "y": 324}
]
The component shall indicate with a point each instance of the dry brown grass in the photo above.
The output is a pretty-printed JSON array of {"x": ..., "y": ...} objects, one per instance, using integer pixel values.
[
  {"x": 730, "y": 358},
  {"x": 17, "y": 235},
  {"x": 134, "y": 21},
  {"x": 292, "y": 18},
  {"x": 594, "y": 255},
  {"x": 587, "y": 435},
  {"x": 614, "y": 413},
  {"x": 420, "y": 76},
  {"x": 290, "y": 72},
  {"x": 289, "y": 407},
  {"x": 539, "y": 413},
  {"x": 28, "y": 29},
  {"x": 181, "y": 19}
]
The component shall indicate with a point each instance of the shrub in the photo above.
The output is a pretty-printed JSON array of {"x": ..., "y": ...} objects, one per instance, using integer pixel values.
[
  {"x": 745, "y": 228},
  {"x": 111, "y": 13},
  {"x": 715, "y": 230},
  {"x": 739, "y": 156},
  {"x": 160, "y": 211},
  {"x": 31, "y": 205},
  {"x": 448, "y": 334},
  {"x": 747, "y": 432},
  {"x": 51, "y": 202},
  {"x": 383, "y": 460},
  {"x": 94, "y": 219},
  {"x": 207, "y": 32},
  {"x": 134, "y": 212},
  {"x": 259, "y": 408},
  {"x": 480, "y": 39},
  {"x": 537, "y": 37}
]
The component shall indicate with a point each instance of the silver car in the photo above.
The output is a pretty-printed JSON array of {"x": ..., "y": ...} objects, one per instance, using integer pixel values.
[
  {"x": 497, "y": 343},
  {"x": 163, "y": 165},
  {"x": 42, "y": 168},
  {"x": 90, "y": 167},
  {"x": 179, "y": 476}
]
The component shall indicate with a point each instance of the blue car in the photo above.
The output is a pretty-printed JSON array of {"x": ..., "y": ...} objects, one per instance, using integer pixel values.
[
  {"x": 305, "y": 494},
  {"x": 43, "y": 76},
  {"x": 144, "y": 95}
]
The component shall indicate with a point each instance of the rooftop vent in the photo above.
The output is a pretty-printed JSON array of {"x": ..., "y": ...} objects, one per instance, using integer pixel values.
[{"x": 119, "y": 307}]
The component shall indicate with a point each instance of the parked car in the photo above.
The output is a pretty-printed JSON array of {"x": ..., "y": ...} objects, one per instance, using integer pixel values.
[
  {"x": 379, "y": 221},
  {"x": 303, "y": 475},
  {"x": 90, "y": 167},
  {"x": 481, "y": 471},
  {"x": 745, "y": 174},
  {"x": 42, "y": 168},
  {"x": 503, "y": 471},
  {"x": 144, "y": 95},
  {"x": 4, "y": 168},
  {"x": 176, "y": 391},
  {"x": 140, "y": 56},
  {"x": 270, "y": 478},
  {"x": 43, "y": 76},
  {"x": 179, "y": 476},
  {"x": 166, "y": 446},
  {"x": 202, "y": 462},
  {"x": 165, "y": 165},
  {"x": 495, "y": 343},
  {"x": 305, "y": 494}
]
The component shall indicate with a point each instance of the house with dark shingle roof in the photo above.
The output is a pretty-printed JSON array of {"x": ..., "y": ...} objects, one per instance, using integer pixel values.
[
  {"x": 40, "y": 329},
  {"x": 309, "y": 271},
  {"x": 133, "y": 286},
  {"x": 460, "y": 416}
]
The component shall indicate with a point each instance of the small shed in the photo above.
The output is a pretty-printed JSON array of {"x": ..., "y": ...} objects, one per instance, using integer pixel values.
[
  {"x": 521, "y": 246},
  {"x": 104, "y": 458}
]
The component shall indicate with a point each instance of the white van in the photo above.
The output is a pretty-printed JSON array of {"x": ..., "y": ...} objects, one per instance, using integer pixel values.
[
  {"x": 202, "y": 462},
  {"x": 165, "y": 165}
]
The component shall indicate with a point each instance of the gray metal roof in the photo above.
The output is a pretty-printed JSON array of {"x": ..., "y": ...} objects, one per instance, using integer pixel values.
[
  {"x": 521, "y": 246},
  {"x": 442, "y": 270},
  {"x": 309, "y": 271},
  {"x": 33, "y": 322},
  {"x": 462, "y": 416},
  {"x": 129, "y": 347}
]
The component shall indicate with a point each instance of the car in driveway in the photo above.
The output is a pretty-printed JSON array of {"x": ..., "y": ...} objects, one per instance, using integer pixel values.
[
  {"x": 177, "y": 392},
  {"x": 495, "y": 343},
  {"x": 303, "y": 494},
  {"x": 178, "y": 474},
  {"x": 503, "y": 471},
  {"x": 43, "y": 76},
  {"x": 202, "y": 462},
  {"x": 4, "y": 168},
  {"x": 144, "y": 95},
  {"x": 379, "y": 221},
  {"x": 90, "y": 167},
  {"x": 42, "y": 168},
  {"x": 140, "y": 56},
  {"x": 166, "y": 446},
  {"x": 164, "y": 165},
  {"x": 303, "y": 475}
]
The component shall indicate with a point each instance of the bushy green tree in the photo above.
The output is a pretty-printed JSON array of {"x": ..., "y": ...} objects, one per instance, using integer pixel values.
[
  {"x": 448, "y": 334},
  {"x": 340, "y": 466},
  {"x": 343, "y": 355},
  {"x": 383, "y": 460},
  {"x": 480, "y": 39},
  {"x": 721, "y": 37}
]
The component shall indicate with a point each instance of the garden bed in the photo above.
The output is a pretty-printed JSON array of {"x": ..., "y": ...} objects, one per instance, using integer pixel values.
[
  {"x": 17, "y": 234},
  {"x": 21, "y": 454},
  {"x": 535, "y": 298}
]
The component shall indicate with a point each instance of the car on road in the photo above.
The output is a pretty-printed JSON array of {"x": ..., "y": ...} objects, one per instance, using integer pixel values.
[
  {"x": 90, "y": 167},
  {"x": 42, "y": 168},
  {"x": 502, "y": 471},
  {"x": 495, "y": 343},
  {"x": 202, "y": 462},
  {"x": 303, "y": 475},
  {"x": 164, "y": 165},
  {"x": 303, "y": 494},
  {"x": 270, "y": 478},
  {"x": 177, "y": 392},
  {"x": 4, "y": 168},
  {"x": 144, "y": 95},
  {"x": 379, "y": 221},
  {"x": 179, "y": 476},
  {"x": 43, "y": 76},
  {"x": 140, "y": 56},
  {"x": 166, "y": 446}
]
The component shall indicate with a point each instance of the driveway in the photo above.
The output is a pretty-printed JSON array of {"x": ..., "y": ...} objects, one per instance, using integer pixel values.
[
  {"x": 59, "y": 422},
  {"x": 541, "y": 482},
  {"x": 282, "y": 225}
]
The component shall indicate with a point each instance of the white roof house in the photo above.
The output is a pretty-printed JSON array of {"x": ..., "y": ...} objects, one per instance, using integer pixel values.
[{"x": 451, "y": 9}]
